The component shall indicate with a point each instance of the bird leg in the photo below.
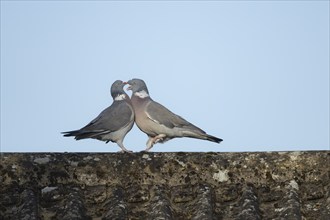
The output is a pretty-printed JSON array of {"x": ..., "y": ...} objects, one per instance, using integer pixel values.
[
  {"x": 123, "y": 149},
  {"x": 153, "y": 140},
  {"x": 149, "y": 143}
]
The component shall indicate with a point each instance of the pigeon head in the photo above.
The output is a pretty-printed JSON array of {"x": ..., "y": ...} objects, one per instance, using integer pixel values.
[
  {"x": 117, "y": 90},
  {"x": 137, "y": 85}
]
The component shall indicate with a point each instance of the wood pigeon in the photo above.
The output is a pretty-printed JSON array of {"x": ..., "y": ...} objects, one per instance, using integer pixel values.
[
  {"x": 159, "y": 123},
  {"x": 113, "y": 123}
]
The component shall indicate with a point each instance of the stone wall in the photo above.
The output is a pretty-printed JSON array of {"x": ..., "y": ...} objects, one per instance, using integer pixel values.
[{"x": 263, "y": 185}]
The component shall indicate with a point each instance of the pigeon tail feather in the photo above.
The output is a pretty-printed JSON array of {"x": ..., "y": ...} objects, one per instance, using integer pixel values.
[
  {"x": 214, "y": 139},
  {"x": 84, "y": 134},
  {"x": 70, "y": 133}
]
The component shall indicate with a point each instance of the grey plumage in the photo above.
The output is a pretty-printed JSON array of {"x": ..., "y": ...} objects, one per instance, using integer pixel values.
[
  {"x": 113, "y": 123},
  {"x": 159, "y": 123}
]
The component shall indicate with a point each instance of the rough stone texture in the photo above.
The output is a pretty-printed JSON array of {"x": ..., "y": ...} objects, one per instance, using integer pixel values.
[{"x": 264, "y": 185}]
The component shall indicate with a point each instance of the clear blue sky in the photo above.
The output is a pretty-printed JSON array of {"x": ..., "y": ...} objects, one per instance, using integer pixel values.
[{"x": 254, "y": 73}]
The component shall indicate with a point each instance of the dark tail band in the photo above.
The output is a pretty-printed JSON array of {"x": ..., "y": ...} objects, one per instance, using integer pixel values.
[{"x": 214, "y": 139}]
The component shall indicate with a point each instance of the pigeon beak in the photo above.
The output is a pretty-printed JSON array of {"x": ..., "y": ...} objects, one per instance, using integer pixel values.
[{"x": 129, "y": 86}]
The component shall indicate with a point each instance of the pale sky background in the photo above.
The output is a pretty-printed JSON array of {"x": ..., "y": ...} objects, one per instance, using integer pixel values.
[{"x": 253, "y": 73}]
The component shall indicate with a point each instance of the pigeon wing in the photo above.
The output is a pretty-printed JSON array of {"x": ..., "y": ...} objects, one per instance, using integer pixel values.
[
  {"x": 111, "y": 119},
  {"x": 162, "y": 115}
]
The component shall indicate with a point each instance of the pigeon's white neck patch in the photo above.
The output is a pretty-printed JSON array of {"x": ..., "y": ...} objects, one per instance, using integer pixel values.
[
  {"x": 142, "y": 94},
  {"x": 120, "y": 97}
]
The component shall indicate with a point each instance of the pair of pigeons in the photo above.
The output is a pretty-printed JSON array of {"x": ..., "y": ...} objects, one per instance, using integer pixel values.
[{"x": 159, "y": 123}]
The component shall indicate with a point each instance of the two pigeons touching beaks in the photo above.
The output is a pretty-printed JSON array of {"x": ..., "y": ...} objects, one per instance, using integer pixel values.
[{"x": 159, "y": 123}]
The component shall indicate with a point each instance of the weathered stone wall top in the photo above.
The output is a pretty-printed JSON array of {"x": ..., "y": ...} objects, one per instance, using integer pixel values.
[{"x": 263, "y": 185}]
